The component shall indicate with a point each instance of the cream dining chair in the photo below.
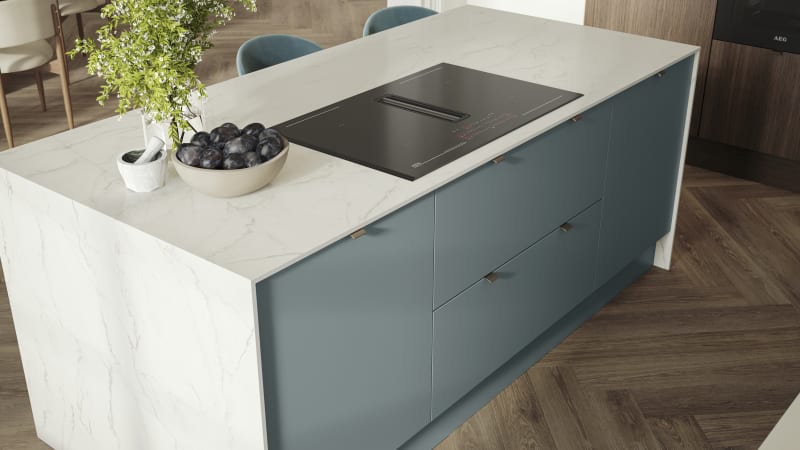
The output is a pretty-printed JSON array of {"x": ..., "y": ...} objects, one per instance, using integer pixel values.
[
  {"x": 30, "y": 40},
  {"x": 76, "y": 8}
]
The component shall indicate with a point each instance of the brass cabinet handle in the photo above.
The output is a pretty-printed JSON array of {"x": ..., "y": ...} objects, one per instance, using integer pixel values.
[
  {"x": 660, "y": 74},
  {"x": 358, "y": 233},
  {"x": 491, "y": 277},
  {"x": 499, "y": 159},
  {"x": 565, "y": 227},
  {"x": 577, "y": 118}
]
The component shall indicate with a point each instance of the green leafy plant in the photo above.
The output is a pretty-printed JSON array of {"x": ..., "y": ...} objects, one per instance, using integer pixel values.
[{"x": 147, "y": 53}]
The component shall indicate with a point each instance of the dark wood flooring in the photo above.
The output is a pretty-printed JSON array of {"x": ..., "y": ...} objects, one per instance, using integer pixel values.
[{"x": 704, "y": 356}]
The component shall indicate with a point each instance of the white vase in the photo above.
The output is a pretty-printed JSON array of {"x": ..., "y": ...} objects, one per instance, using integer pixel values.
[
  {"x": 193, "y": 114},
  {"x": 146, "y": 177},
  {"x": 152, "y": 128}
]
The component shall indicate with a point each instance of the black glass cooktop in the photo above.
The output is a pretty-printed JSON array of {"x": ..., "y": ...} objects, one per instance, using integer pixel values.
[{"x": 415, "y": 125}]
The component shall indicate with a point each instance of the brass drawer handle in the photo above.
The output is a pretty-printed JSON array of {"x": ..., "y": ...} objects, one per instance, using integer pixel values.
[
  {"x": 491, "y": 277},
  {"x": 577, "y": 118},
  {"x": 660, "y": 74},
  {"x": 499, "y": 159},
  {"x": 358, "y": 233},
  {"x": 565, "y": 227}
]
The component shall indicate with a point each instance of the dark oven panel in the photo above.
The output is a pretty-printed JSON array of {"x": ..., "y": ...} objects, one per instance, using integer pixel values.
[{"x": 772, "y": 24}]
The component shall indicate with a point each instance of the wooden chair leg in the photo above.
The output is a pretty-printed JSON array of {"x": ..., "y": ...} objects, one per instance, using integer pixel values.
[
  {"x": 40, "y": 88},
  {"x": 79, "y": 19},
  {"x": 62, "y": 67},
  {"x": 4, "y": 114},
  {"x": 64, "y": 76}
]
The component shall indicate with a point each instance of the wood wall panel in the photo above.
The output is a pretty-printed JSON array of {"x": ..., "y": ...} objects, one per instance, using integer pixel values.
[
  {"x": 752, "y": 99},
  {"x": 686, "y": 21}
]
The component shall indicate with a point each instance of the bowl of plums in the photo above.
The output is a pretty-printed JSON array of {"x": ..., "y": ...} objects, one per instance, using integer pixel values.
[{"x": 228, "y": 161}]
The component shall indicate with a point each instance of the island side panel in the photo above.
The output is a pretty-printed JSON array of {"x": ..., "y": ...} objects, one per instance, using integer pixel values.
[
  {"x": 663, "y": 255},
  {"x": 126, "y": 342}
]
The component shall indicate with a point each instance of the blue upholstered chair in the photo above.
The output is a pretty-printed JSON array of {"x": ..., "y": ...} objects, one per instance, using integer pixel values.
[
  {"x": 265, "y": 51},
  {"x": 393, "y": 16}
]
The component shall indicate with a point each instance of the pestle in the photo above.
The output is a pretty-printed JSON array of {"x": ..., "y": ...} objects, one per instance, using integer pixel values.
[{"x": 153, "y": 146}]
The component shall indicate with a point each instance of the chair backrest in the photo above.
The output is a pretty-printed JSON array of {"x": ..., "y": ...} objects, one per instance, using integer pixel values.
[
  {"x": 265, "y": 51},
  {"x": 24, "y": 21},
  {"x": 393, "y": 16}
]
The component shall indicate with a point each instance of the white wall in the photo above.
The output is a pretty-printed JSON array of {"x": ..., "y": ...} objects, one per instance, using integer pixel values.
[
  {"x": 405, "y": 2},
  {"x": 564, "y": 10},
  {"x": 438, "y": 5}
]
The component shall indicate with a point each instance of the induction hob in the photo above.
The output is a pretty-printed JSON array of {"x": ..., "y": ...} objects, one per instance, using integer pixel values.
[{"x": 415, "y": 125}]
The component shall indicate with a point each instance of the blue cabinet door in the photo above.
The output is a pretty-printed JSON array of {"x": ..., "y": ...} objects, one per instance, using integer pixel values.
[
  {"x": 346, "y": 339},
  {"x": 490, "y": 215},
  {"x": 484, "y": 326},
  {"x": 647, "y": 128}
]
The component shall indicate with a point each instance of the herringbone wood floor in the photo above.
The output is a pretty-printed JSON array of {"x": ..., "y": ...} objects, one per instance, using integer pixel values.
[{"x": 704, "y": 356}]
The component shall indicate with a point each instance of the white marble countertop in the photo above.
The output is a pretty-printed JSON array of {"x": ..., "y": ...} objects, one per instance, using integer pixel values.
[
  {"x": 318, "y": 199},
  {"x": 786, "y": 433}
]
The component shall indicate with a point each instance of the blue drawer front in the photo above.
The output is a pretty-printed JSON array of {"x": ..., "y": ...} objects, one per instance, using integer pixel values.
[
  {"x": 490, "y": 215},
  {"x": 487, "y": 324},
  {"x": 346, "y": 339}
]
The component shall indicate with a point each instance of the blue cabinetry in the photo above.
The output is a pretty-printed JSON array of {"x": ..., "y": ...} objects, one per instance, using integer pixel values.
[
  {"x": 484, "y": 326},
  {"x": 346, "y": 339},
  {"x": 490, "y": 215},
  {"x": 375, "y": 339},
  {"x": 647, "y": 132}
]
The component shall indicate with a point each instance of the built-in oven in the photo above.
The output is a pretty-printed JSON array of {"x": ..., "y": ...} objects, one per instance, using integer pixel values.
[{"x": 772, "y": 24}]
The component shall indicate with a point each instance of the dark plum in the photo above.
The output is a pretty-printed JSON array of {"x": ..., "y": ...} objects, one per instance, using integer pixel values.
[
  {"x": 269, "y": 149},
  {"x": 223, "y": 134},
  {"x": 190, "y": 154},
  {"x": 239, "y": 145},
  {"x": 230, "y": 125},
  {"x": 251, "y": 159},
  {"x": 234, "y": 146},
  {"x": 233, "y": 161},
  {"x": 250, "y": 142},
  {"x": 269, "y": 133},
  {"x": 253, "y": 129},
  {"x": 202, "y": 139},
  {"x": 211, "y": 158}
]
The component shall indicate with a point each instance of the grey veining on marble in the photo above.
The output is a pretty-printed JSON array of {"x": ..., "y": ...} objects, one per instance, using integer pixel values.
[
  {"x": 318, "y": 199},
  {"x": 126, "y": 342}
]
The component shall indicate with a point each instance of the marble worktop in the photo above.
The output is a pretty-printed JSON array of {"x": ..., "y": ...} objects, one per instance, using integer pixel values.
[{"x": 318, "y": 199}]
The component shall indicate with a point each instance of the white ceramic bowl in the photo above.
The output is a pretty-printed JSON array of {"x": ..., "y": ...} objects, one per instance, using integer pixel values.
[{"x": 231, "y": 183}]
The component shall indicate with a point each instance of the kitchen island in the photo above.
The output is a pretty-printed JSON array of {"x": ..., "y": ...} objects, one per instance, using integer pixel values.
[{"x": 176, "y": 320}]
